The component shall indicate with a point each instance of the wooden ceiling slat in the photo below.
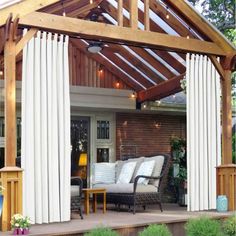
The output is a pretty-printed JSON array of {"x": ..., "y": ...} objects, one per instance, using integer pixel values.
[
  {"x": 161, "y": 90},
  {"x": 83, "y": 11},
  {"x": 57, "y": 8},
  {"x": 82, "y": 46},
  {"x": 127, "y": 68},
  {"x": 153, "y": 62},
  {"x": 136, "y": 62}
]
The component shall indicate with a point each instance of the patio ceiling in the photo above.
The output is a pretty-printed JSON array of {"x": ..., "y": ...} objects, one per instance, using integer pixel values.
[{"x": 142, "y": 68}]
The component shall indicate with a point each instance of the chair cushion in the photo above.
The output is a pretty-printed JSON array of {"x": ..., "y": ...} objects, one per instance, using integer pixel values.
[
  {"x": 146, "y": 168},
  {"x": 126, "y": 188},
  {"x": 104, "y": 173},
  {"x": 126, "y": 173},
  {"x": 138, "y": 161},
  {"x": 159, "y": 161},
  {"x": 74, "y": 190}
]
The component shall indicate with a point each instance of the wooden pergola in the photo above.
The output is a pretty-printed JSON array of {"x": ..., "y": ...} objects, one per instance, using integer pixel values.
[{"x": 153, "y": 36}]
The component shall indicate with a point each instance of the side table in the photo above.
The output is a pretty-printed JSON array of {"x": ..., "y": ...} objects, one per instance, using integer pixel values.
[{"x": 94, "y": 191}]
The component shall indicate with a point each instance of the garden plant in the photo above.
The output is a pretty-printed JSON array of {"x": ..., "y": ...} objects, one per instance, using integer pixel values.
[
  {"x": 154, "y": 230},
  {"x": 102, "y": 232},
  {"x": 229, "y": 226}
]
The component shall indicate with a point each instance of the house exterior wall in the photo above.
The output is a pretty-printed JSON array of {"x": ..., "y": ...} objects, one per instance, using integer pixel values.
[{"x": 150, "y": 133}]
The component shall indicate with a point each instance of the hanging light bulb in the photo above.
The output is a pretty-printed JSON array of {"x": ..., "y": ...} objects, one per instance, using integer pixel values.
[
  {"x": 133, "y": 95},
  {"x": 91, "y": 1},
  {"x": 63, "y": 8},
  {"x": 100, "y": 70},
  {"x": 189, "y": 30},
  {"x": 167, "y": 13}
]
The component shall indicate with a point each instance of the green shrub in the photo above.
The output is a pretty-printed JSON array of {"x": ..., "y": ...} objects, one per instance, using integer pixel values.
[
  {"x": 203, "y": 226},
  {"x": 229, "y": 226},
  {"x": 155, "y": 230},
  {"x": 102, "y": 232}
]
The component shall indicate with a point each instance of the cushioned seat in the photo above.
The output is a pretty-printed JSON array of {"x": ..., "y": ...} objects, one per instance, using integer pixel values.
[{"x": 126, "y": 188}]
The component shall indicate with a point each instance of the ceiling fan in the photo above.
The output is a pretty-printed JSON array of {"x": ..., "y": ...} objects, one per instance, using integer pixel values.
[{"x": 96, "y": 15}]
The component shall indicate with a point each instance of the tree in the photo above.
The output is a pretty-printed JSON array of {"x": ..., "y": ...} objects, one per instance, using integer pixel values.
[{"x": 220, "y": 13}]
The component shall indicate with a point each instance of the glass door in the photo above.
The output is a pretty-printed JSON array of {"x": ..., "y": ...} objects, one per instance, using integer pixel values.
[{"x": 80, "y": 140}]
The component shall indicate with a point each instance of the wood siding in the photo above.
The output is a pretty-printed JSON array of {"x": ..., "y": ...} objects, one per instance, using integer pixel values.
[
  {"x": 150, "y": 132},
  {"x": 84, "y": 71}
]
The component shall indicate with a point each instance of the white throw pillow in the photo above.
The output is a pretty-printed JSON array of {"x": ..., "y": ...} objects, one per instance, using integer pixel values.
[
  {"x": 104, "y": 173},
  {"x": 146, "y": 168},
  {"x": 126, "y": 173}
]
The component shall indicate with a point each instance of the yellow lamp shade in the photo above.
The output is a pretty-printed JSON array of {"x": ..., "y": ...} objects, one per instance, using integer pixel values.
[{"x": 83, "y": 158}]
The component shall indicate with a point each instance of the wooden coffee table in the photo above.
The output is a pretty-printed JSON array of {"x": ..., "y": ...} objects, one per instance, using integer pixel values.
[{"x": 94, "y": 191}]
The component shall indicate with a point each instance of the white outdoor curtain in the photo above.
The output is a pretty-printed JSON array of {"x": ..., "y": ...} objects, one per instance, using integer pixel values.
[
  {"x": 45, "y": 144},
  {"x": 203, "y": 131}
]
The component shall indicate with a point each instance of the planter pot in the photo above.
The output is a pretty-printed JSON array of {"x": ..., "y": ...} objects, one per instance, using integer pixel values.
[
  {"x": 222, "y": 203},
  {"x": 1, "y": 204},
  {"x": 21, "y": 231}
]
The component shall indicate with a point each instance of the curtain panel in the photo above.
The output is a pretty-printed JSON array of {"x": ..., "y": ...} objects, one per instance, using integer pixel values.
[
  {"x": 203, "y": 131},
  {"x": 46, "y": 129}
]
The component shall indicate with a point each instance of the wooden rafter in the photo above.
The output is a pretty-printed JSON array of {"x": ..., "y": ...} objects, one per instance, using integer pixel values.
[
  {"x": 136, "y": 62},
  {"x": 178, "y": 66},
  {"x": 24, "y": 8},
  {"x": 146, "y": 15},
  {"x": 199, "y": 23},
  {"x": 113, "y": 33},
  {"x": 153, "y": 26},
  {"x": 120, "y": 13},
  {"x": 114, "y": 70},
  {"x": 133, "y": 6},
  {"x": 127, "y": 68},
  {"x": 161, "y": 90},
  {"x": 160, "y": 10},
  {"x": 218, "y": 67},
  {"x": 83, "y": 11},
  {"x": 20, "y": 45}
]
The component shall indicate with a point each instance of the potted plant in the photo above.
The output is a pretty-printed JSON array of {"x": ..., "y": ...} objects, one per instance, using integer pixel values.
[
  {"x": 1, "y": 199},
  {"x": 20, "y": 224},
  {"x": 178, "y": 148}
]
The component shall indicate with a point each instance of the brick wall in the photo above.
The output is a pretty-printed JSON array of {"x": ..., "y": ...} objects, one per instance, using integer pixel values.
[{"x": 150, "y": 132}]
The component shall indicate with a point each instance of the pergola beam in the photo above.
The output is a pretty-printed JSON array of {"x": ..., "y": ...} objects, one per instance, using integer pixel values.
[
  {"x": 23, "y": 8},
  {"x": 91, "y": 30},
  {"x": 161, "y": 90}
]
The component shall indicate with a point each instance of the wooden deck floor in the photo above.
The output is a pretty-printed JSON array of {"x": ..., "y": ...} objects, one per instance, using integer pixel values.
[{"x": 124, "y": 222}]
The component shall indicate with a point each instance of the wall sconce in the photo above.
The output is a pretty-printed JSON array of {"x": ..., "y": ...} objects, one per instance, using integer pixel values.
[
  {"x": 133, "y": 95},
  {"x": 83, "y": 159}
]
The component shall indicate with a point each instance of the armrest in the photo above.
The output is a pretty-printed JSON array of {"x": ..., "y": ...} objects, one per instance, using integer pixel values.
[{"x": 146, "y": 177}]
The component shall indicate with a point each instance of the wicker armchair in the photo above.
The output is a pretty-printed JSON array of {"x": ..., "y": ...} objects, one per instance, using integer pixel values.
[
  {"x": 76, "y": 194},
  {"x": 136, "y": 198}
]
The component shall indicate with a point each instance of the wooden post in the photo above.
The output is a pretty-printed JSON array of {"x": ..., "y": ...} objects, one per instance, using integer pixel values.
[
  {"x": 146, "y": 15},
  {"x": 10, "y": 96},
  {"x": 226, "y": 119},
  {"x": 133, "y": 14},
  {"x": 11, "y": 180},
  {"x": 10, "y": 175},
  {"x": 120, "y": 13},
  {"x": 226, "y": 183}
]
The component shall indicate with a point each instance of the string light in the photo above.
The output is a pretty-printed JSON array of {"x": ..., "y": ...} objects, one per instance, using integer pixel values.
[
  {"x": 189, "y": 30},
  {"x": 1, "y": 72},
  {"x": 144, "y": 106},
  {"x": 159, "y": 102},
  {"x": 63, "y": 8},
  {"x": 173, "y": 96},
  {"x": 91, "y": 1},
  {"x": 100, "y": 70},
  {"x": 167, "y": 13}
]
